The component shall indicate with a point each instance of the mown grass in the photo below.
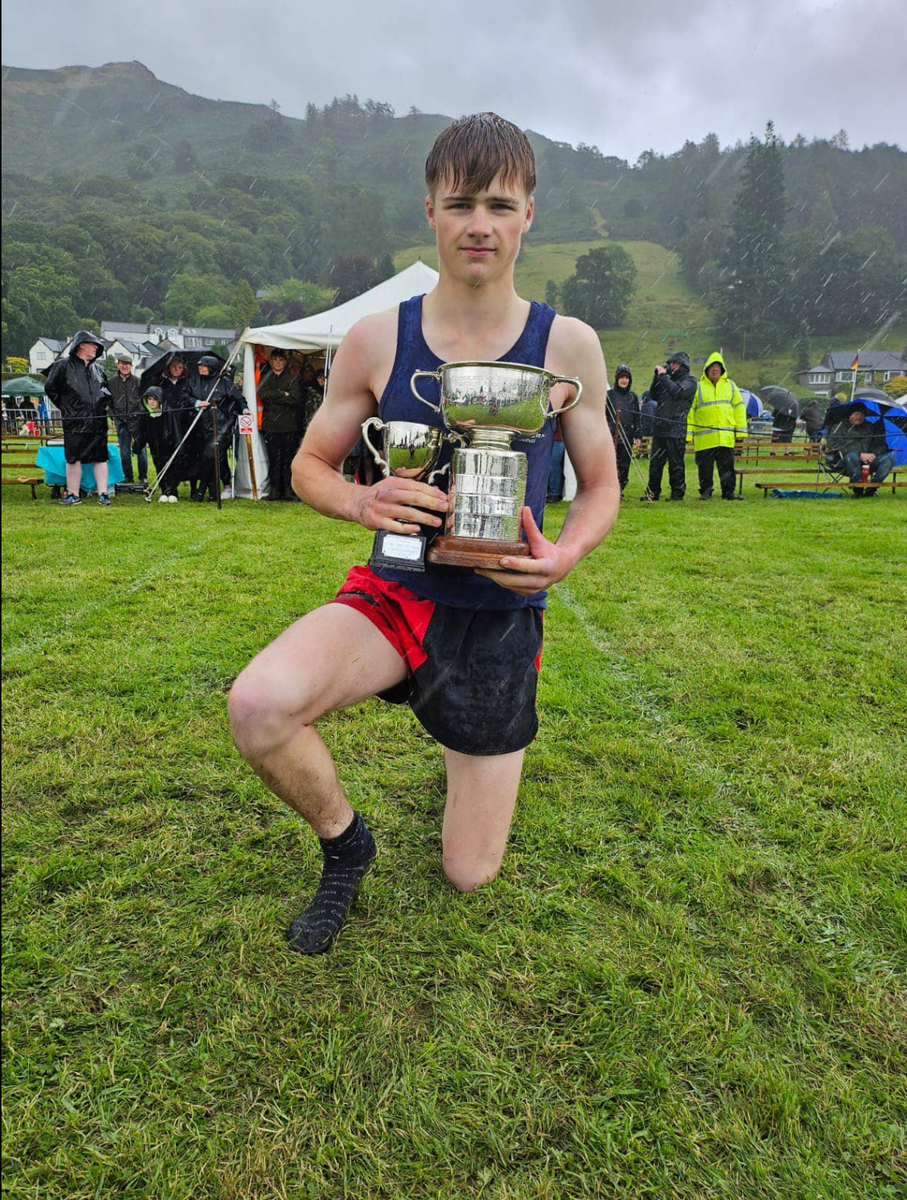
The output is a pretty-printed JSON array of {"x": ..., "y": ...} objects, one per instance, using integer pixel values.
[{"x": 688, "y": 980}]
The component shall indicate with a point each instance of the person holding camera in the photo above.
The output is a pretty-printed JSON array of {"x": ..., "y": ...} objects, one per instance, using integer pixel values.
[{"x": 672, "y": 388}]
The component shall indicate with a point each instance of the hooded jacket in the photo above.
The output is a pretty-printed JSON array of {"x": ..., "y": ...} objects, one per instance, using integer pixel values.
[
  {"x": 718, "y": 415},
  {"x": 813, "y": 417},
  {"x": 673, "y": 394},
  {"x": 625, "y": 403},
  {"x": 221, "y": 392},
  {"x": 79, "y": 389}
]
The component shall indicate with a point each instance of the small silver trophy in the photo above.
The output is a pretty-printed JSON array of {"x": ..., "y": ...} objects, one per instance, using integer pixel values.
[
  {"x": 488, "y": 404},
  {"x": 409, "y": 451}
]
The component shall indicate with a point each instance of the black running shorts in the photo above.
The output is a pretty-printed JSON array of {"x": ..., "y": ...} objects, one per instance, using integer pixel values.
[{"x": 472, "y": 675}]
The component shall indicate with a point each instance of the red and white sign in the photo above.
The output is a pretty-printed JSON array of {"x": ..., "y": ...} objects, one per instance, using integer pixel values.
[{"x": 246, "y": 423}]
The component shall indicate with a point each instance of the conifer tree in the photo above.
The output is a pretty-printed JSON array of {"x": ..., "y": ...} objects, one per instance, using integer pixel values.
[{"x": 752, "y": 307}]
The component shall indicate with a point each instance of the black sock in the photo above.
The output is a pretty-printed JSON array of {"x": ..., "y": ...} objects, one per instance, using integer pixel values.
[{"x": 347, "y": 858}]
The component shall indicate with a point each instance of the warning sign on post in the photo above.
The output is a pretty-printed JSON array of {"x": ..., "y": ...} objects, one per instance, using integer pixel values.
[{"x": 246, "y": 423}]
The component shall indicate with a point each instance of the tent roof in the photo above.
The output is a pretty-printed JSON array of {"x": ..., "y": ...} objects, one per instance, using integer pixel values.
[{"x": 327, "y": 328}]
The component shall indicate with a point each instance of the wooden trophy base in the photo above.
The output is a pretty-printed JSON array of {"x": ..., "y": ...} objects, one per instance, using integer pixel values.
[{"x": 474, "y": 552}]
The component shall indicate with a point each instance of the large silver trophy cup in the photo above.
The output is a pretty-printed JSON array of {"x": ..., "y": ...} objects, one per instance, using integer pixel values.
[
  {"x": 488, "y": 404},
  {"x": 409, "y": 451}
]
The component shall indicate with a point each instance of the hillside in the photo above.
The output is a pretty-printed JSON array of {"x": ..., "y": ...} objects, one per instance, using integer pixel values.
[
  {"x": 125, "y": 194},
  {"x": 120, "y": 120}
]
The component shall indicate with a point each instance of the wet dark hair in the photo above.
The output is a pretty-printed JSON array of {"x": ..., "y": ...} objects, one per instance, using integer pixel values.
[{"x": 474, "y": 149}]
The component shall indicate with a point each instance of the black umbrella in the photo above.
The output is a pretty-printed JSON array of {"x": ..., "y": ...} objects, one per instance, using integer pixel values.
[
  {"x": 872, "y": 393},
  {"x": 155, "y": 371},
  {"x": 781, "y": 400}
]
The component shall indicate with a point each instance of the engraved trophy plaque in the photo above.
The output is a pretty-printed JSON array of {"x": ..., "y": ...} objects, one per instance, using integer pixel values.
[{"x": 488, "y": 404}]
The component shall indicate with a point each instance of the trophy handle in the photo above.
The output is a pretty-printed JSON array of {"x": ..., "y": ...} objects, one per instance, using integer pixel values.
[
  {"x": 425, "y": 375},
  {"x": 439, "y": 473},
  {"x": 579, "y": 394},
  {"x": 375, "y": 423}
]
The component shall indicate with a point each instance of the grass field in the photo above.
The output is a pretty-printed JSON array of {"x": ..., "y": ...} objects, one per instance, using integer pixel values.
[{"x": 688, "y": 981}]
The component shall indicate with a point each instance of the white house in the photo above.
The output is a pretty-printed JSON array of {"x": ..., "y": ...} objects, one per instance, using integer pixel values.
[
  {"x": 836, "y": 368},
  {"x": 43, "y": 353},
  {"x": 142, "y": 342},
  {"x": 180, "y": 336}
]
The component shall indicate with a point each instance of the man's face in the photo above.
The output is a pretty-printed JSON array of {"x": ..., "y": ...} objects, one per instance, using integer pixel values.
[
  {"x": 278, "y": 362},
  {"x": 857, "y": 417},
  {"x": 714, "y": 372},
  {"x": 87, "y": 351},
  {"x": 479, "y": 235},
  {"x": 124, "y": 368},
  {"x": 203, "y": 370}
]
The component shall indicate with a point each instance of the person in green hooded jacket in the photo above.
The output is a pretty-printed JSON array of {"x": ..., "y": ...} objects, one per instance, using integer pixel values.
[{"x": 717, "y": 419}]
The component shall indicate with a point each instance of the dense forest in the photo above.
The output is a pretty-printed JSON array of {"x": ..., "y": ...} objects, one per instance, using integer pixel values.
[{"x": 127, "y": 197}]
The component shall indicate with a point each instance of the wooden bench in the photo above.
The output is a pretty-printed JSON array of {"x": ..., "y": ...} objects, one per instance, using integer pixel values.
[
  {"x": 741, "y": 471},
  {"x": 30, "y": 480},
  {"x": 888, "y": 483}
]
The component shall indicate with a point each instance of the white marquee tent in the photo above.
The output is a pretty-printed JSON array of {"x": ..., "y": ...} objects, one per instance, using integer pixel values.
[{"x": 319, "y": 334}]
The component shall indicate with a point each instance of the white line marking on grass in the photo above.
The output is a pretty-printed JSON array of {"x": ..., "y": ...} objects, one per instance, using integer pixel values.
[{"x": 31, "y": 644}]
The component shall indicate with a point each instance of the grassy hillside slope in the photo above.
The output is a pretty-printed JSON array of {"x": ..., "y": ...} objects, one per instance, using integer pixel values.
[{"x": 663, "y": 302}]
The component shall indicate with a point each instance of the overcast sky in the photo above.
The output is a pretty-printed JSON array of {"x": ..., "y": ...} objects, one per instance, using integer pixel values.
[{"x": 625, "y": 75}]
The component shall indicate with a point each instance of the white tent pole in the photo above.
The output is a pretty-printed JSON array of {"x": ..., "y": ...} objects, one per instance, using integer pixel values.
[{"x": 329, "y": 355}]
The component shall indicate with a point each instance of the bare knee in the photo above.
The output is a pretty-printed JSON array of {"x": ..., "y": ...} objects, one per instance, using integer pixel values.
[
  {"x": 261, "y": 716},
  {"x": 466, "y": 873}
]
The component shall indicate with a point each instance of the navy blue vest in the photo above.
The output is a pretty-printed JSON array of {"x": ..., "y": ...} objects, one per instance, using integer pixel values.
[{"x": 460, "y": 587}]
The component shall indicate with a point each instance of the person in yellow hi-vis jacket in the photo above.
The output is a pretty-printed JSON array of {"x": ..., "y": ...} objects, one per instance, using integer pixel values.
[{"x": 717, "y": 419}]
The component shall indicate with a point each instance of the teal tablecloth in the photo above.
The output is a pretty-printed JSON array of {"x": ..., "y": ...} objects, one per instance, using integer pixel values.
[{"x": 52, "y": 461}]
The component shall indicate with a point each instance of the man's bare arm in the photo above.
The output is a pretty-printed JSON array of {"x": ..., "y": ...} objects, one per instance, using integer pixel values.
[
  {"x": 401, "y": 505},
  {"x": 591, "y": 450}
]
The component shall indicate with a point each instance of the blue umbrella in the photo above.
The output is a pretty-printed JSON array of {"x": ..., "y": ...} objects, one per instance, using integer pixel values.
[
  {"x": 887, "y": 413},
  {"x": 753, "y": 404}
]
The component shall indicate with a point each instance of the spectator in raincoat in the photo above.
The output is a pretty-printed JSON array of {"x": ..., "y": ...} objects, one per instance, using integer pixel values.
[
  {"x": 177, "y": 404},
  {"x": 717, "y": 419},
  {"x": 673, "y": 389},
  {"x": 208, "y": 391},
  {"x": 622, "y": 412},
  {"x": 813, "y": 417},
  {"x": 77, "y": 385},
  {"x": 158, "y": 430}
]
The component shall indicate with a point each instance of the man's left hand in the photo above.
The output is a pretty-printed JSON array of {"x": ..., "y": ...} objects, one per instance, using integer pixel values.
[{"x": 546, "y": 563}]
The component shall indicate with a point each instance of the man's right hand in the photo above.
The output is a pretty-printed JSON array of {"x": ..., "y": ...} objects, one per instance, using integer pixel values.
[{"x": 400, "y": 505}]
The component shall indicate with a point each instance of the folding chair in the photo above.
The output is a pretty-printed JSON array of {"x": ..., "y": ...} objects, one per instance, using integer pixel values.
[{"x": 830, "y": 467}]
